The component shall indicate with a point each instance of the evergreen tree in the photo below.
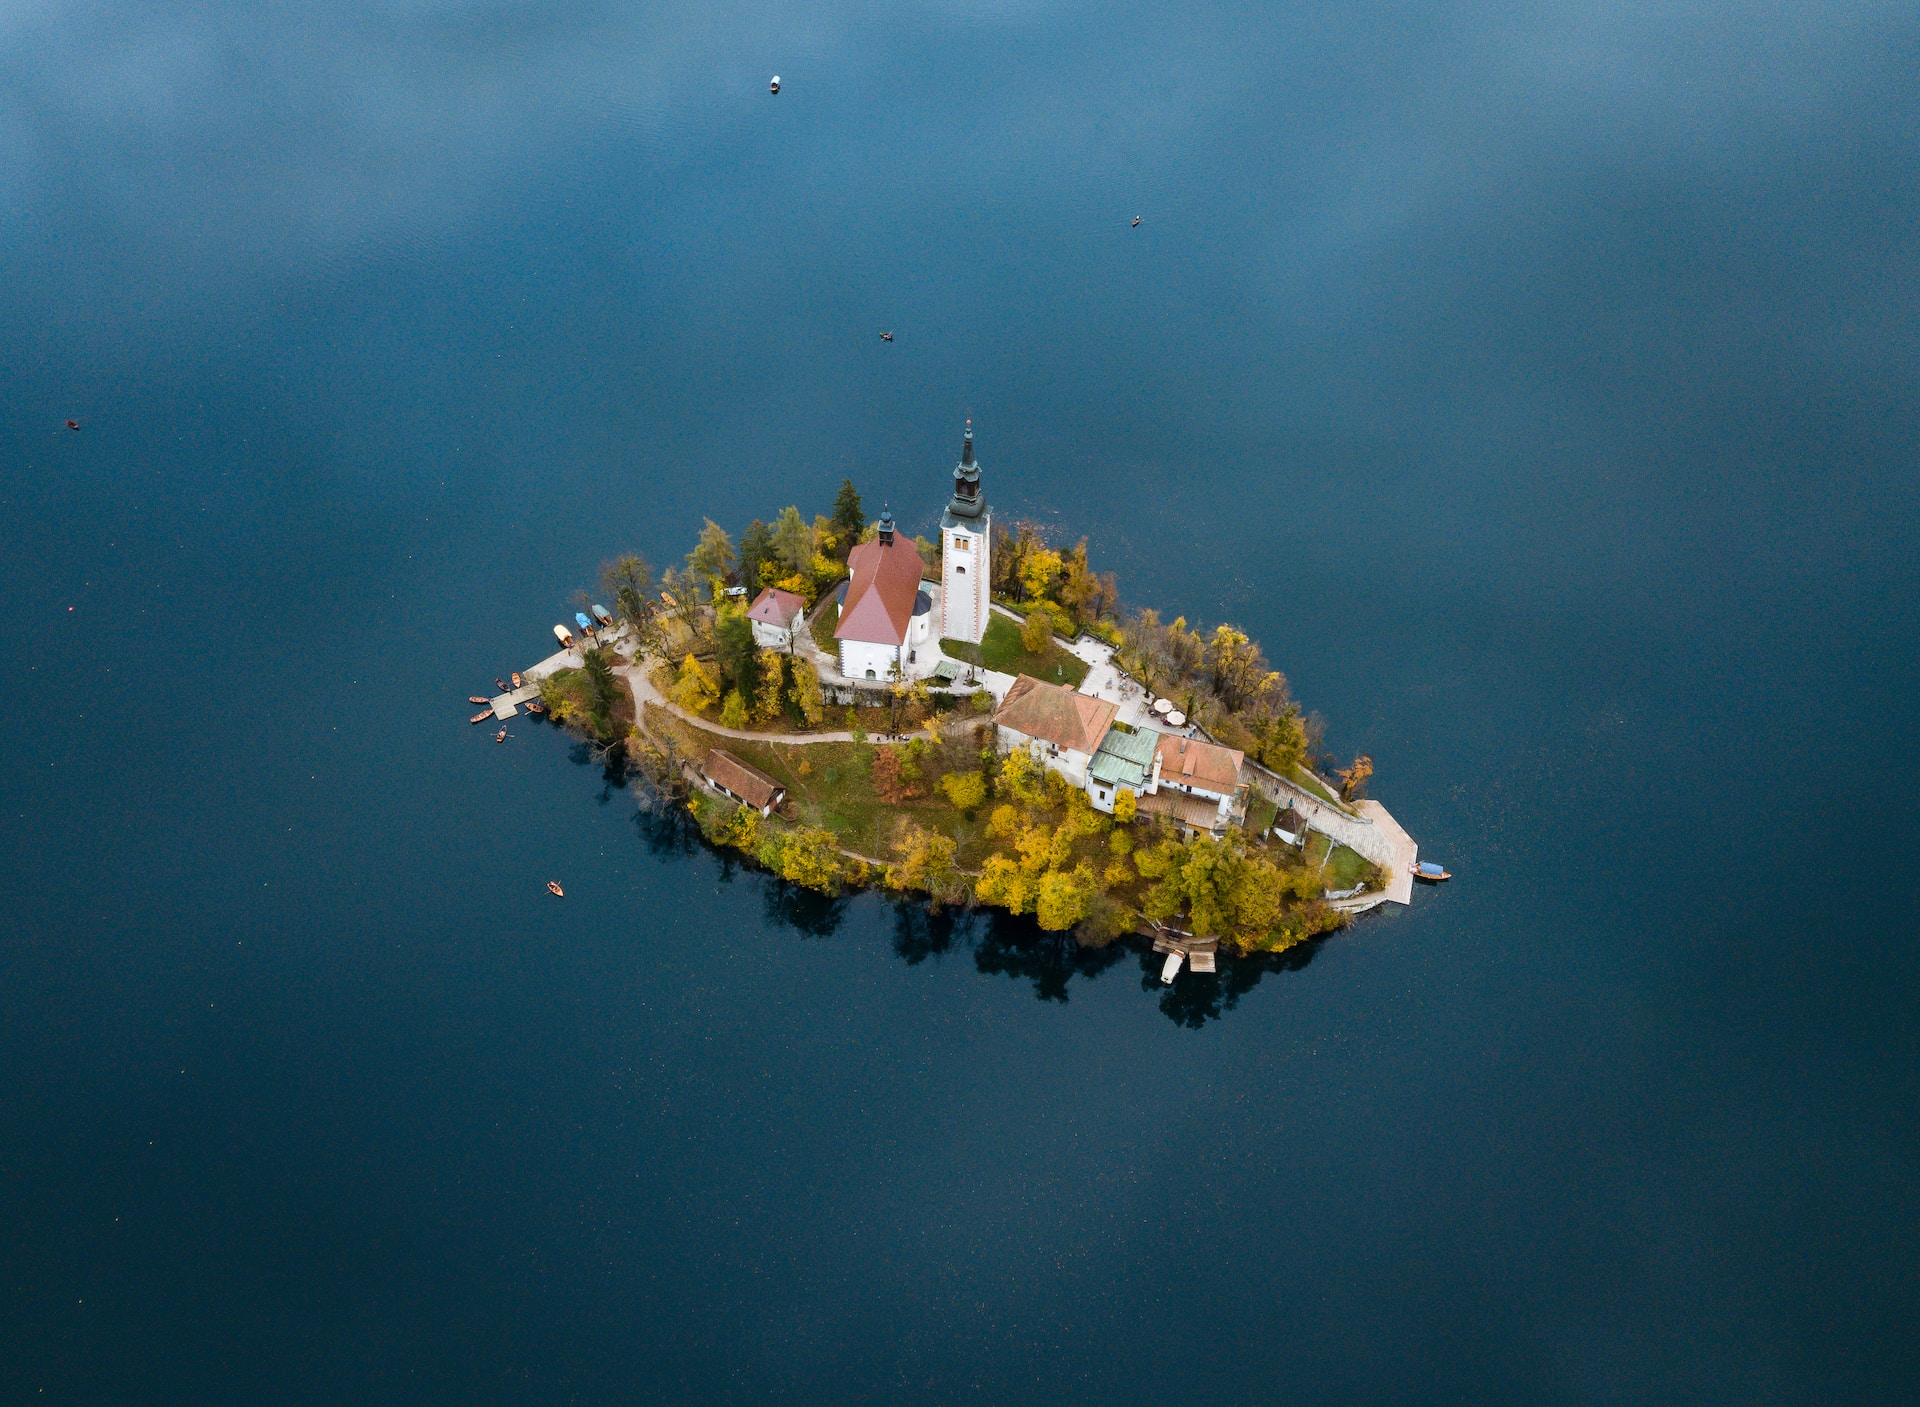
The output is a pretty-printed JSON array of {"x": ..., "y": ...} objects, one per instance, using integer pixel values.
[
  {"x": 848, "y": 517},
  {"x": 756, "y": 548}
]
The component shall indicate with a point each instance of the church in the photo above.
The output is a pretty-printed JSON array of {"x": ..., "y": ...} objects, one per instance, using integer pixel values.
[{"x": 888, "y": 615}]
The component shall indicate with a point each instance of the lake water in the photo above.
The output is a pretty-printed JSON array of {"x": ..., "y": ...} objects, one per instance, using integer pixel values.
[{"x": 1538, "y": 384}]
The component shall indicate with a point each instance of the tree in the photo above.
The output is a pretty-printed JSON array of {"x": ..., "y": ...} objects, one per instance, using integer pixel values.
[
  {"x": 1226, "y": 892},
  {"x": 603, "y": 688},
  {"x": 713, "y": 557},
  {"x": 1238, "y": 669},
  {"x": 804, "y": 856},
  {"x": 1036, "y": 632},
  {"x": 733, "y": 713},
  {"x": 1064, "y": 898},
  {"x": 1002, "y": 881},
  {"x": 772, "y": 692},
  {"x": 889, "y": 787},
  {"x": 734, "y": 647},
  {"x": 795, "y": 542},
  {"x": 1038, "y": 571},
  {"x": 1353, "y": 778},
  {"x": 628, "y": 582},
  {"x": 1125, "y": 807},
  {"x": 806, "y": 692},
  {"x": 697, "y": 689},
  {"x": 848, "y": 517},
  {"x": 756, "y": 550},
  {"x": 927, "y": 864},
  {"x": 966, "y": 790}
]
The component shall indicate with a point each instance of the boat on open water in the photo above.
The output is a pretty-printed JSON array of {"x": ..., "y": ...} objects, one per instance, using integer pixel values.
[
  {"x": 501, "y": 736},
  {"x": 553, "y": 888}
]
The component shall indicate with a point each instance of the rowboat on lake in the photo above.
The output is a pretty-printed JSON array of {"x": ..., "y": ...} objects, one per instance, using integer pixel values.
[
  {"x": 1430, "y": 872},
  {"x": 482, "y": 716}
]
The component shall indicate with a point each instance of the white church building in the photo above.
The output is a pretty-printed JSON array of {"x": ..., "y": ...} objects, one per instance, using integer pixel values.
[{"x": 888, "y": 614}]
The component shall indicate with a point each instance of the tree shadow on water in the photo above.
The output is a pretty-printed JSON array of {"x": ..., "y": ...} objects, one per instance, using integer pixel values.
[
  {"x": 1020, "y": 948},
  {"x": 1195, "y": 998},
  {"x": 613, "y": 763},
  {"x": 806, "y": 911},
  {"x": 920, "y": 931},
  {"x": 665, "y": 827}
]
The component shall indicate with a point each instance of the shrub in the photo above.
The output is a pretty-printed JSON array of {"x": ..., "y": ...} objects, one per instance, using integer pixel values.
[
  {"x": 1120, "y": 843},
  {"x": 967, "y": 791},
  {"x": 733, "y": 714}
]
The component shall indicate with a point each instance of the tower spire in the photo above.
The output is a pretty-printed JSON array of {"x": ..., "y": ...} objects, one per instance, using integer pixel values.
[{"x": 966, "y": 502}]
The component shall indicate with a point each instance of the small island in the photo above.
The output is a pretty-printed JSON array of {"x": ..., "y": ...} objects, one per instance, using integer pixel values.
[{"x": 977, "y": 721}]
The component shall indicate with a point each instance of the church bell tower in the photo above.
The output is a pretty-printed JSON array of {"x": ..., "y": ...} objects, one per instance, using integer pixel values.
[{"x": 966, "y": 543}]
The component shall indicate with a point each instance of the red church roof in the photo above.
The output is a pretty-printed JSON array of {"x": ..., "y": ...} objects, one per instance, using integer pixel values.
[{"x": 879, "y": 604}]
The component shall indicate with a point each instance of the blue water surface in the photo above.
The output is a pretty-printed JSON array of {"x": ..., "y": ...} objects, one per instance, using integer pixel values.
[{"x": 1537, "y": 382}]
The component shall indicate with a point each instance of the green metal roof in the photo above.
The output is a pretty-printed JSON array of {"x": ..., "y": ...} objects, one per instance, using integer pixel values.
[
  {"x": 1125, "y": 759},
  {"x": 946, "y": 670}
]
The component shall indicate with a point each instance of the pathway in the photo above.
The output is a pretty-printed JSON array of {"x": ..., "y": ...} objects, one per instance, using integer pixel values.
[{"x": 644, "y": 693}]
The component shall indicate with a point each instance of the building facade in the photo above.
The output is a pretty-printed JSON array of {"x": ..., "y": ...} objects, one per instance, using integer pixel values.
[
  {"x": 966, "y": 553},
  {"x": 886, "y": 620},
  {"x": 773, "y": 613}
]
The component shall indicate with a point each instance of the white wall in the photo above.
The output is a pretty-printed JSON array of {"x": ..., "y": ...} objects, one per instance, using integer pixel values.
[
  {"x": 967, "y": 577},
  {"x": 769, "y": 637},
  {"x": 1068, "y": 762},
  {"x": 857, "y": 657}
]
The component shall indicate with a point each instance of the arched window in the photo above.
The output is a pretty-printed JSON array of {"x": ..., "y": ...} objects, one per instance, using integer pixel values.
[
  {"x": 960, "y": 571},
  {"x": 869, "y": 674}
]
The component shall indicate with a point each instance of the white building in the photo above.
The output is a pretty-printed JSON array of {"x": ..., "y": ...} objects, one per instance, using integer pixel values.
[
  {"x": 966, "y": 553},
  {"x": 772, "y": 613},
  {"x": 1059, "y": 727},
  {"x": 886, "y": 618}
]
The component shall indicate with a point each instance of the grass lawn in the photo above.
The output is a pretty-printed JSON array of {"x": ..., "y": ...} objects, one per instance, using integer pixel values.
[
  {"x": 836, "y": 793},
  {"x": 1313, "y": 784},
  {"x": 1344, "y": 867},
  {"x": 1316, "y": 847},
  {"x": 1000, "y": 650},
  {"x": 1260, "y": 814}
]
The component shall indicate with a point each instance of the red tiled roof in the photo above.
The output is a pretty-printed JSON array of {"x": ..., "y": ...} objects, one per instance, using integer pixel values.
[
  {"x": 750, "y": 784},
  {"x": 776, "y": 607},
  {"x": 1199, "y": 764},
  {"x": 879, "y": 604},
  {"x": 1055, "y": 714}
]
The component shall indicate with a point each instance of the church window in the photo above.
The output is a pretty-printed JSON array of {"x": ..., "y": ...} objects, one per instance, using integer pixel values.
[
  {"x": 962, "y": 544},
  {"x": 960, "y": 571},
  {"x": 869, "y": 674}
]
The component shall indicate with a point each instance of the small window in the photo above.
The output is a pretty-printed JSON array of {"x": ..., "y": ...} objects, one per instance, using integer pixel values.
[
  {"x": 962, "y": 544},
  {"x": 869, "y": 674},
  {"x": 960, "y": 571}
]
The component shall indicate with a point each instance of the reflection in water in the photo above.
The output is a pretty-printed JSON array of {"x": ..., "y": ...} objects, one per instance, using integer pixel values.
[{"x": 1001, "y": 944}]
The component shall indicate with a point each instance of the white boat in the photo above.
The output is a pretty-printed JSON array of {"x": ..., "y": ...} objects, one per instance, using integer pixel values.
[{"x": 564, "y": 636}]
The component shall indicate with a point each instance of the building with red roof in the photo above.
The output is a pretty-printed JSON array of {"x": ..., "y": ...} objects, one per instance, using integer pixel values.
[{"x": 886, "y": 616}]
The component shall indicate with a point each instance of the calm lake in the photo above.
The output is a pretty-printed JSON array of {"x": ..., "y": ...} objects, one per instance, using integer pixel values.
[{"x": 1537, "y": 383}]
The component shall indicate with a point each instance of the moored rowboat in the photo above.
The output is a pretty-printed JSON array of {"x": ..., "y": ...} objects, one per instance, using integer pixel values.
[
  {"x": 478, "y": 698},
  {"x": 482, "y": 716},
  {"x": 1430, "y": 872},
  {"x": 516, "y": 680}
]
